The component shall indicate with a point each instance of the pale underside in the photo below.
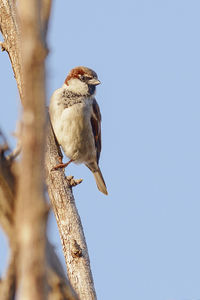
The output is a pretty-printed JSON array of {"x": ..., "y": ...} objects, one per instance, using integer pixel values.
[{"x": 73, "y": 130}]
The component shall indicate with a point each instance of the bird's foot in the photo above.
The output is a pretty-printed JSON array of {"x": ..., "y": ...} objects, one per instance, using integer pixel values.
[{"x": 61, "y": 165}]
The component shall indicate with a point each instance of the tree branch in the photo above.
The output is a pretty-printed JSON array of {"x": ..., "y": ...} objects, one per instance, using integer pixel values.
[
  {"x": 7, "y": 190},
  {"x": 58, "y": 285},
  {"x": 69, "y": 224},
  {"x": 7, "y": 186},
  {"x": 31, "y": 211},
  {"x": 10, "y": 32},
  {"x": 63, "y": 204},
  {"x": 45, "y": 14},
  {"x": 8, "y": 285}
]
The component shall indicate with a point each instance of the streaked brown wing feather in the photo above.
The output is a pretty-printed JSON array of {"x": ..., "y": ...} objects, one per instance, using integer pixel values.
[{"x": 96, "y": 127}]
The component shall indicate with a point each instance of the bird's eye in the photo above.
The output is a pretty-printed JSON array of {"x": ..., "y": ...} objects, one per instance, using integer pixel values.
[{"x": 84, "y": 77}]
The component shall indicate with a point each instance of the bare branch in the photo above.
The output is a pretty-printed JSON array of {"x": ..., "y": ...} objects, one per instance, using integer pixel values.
[
  {"x": 31, "y": 211},
  {"x": 45, "y": 14},
  {"x": 7, "y": 190},
  {"x": 71, "y": 231},
  {"x": 69, "y": 224},
  {"x": 8, "y": 284},
  {"x": 17, "y": 134},
  {"x": 58, "y": 285},
  {"x": 73, "y": 182},
  {"x": 10, "y": 32},
  {"x": 7, "y": 186}
]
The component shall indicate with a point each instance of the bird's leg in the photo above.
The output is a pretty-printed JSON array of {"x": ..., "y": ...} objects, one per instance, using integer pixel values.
[
  {"x": 60, "y": 159},
  {"x": 61, "y": 165}
]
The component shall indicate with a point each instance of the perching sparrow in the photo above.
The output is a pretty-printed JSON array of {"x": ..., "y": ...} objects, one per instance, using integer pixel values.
[{"x": 76, "y": 120}]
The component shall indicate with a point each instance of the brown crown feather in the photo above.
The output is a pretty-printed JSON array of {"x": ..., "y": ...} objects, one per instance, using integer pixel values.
[{"x": 74, "y": 73}]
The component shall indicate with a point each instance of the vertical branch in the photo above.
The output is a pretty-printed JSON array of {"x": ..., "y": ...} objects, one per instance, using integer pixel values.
[
  {"x": 45, "y": 14},
  {"x": 30, "y": 206}
]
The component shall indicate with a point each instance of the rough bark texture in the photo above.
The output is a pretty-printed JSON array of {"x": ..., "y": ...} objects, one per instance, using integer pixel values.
[
  {"x": 34, "y": 16},
  {"x": 69, "y": 224},
  {"x": 10, "y": 32}
]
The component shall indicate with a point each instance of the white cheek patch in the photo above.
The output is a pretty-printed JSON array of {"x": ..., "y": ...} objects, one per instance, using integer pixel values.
[{"x": 77, "y": 86}]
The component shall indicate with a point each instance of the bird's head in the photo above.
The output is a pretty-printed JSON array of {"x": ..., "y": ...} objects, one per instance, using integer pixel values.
[{"x": 82, "y": 80}]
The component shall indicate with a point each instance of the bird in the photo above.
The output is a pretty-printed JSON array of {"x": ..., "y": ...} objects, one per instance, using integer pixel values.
[{"x": 76, "y": 120}]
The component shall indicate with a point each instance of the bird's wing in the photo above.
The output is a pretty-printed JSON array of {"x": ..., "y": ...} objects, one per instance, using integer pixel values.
[{"x": 96, "y": 127}]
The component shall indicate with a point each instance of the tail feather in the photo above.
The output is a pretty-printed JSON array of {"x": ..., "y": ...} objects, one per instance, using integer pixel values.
[
  {"x": 98, "y": 177},
  {"x": 100, "y": 182}
]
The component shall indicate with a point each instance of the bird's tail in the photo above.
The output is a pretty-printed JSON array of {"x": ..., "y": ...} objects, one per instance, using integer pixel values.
[
  {"x": 100, "y": 182},
  {"x": 99, "y": 179}
]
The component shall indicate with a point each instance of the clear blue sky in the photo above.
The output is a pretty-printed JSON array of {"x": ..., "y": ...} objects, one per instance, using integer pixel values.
[{"x": 143, "y": 238}]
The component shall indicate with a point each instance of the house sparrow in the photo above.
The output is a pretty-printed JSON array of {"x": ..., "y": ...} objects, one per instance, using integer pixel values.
[{"x": 76, "y": 121}]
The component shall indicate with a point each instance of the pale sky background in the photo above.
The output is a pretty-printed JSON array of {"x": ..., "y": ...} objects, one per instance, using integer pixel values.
[{"x": 144, "y": 238}]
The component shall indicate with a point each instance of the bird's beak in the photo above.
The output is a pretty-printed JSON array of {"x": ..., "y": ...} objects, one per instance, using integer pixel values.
[{"x": 94, "y": 81}]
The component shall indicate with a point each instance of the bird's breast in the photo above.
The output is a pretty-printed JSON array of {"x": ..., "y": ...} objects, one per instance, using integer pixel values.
[{"x": 73, "y": 130}]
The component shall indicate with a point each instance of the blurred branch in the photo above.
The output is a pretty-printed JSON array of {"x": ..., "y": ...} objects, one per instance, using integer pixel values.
[
  {"x": 8, "y": 285},
  {"x": 45, "y": 14},
  {"x": 31, "y": 211},
  {"x": 7, "y": 190},
  {"x": 57, "y": 283},
  {"x": 7, "y": 186}
]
